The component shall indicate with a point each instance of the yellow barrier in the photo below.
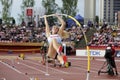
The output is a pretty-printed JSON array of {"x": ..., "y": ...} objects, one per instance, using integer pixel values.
[{"x": 22, "y": 55}]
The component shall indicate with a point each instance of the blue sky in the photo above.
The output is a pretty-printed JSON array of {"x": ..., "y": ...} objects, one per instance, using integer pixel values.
[{"x": 15, "y": 10}]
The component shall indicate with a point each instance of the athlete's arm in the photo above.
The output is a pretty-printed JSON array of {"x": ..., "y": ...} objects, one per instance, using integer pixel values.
[
  {"x": 63, "y": 24},
  {"x": 47, "y": 29}
]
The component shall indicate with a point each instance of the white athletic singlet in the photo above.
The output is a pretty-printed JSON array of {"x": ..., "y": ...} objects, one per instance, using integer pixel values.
[{"x": 56, "y": 36}]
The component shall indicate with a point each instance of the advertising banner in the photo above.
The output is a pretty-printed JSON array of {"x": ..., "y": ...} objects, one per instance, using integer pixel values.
[{"x": 97, "y": 53}]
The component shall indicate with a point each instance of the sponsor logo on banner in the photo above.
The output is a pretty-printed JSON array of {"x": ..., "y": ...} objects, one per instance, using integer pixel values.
[
  {"x": 99, "y": 53},
  {"x": 92, "y": 53}
]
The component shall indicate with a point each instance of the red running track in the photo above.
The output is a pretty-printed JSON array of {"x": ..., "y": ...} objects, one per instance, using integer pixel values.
[{"x": 29, "y": 69}]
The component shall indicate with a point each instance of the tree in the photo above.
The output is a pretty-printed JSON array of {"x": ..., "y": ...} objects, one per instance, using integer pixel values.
[
  {"x": 69, "y": 7},
  {"x": 97, "y": 19},
  {"x": 6, "y": 4},
  {"x": 25, "y": 4},
  {"x": 50, "y": 8}
]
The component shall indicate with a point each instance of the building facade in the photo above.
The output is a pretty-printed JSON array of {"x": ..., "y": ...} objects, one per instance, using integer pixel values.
[
  {"x": 118, "y": 14},
  {"x": 111, "y": 8},
  {"x": 101, "y": 10},
  {"x": 89, "y": 10}
]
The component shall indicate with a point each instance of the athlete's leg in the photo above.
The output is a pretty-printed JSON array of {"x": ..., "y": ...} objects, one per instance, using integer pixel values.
[
  {"x": 61, "y": 57},
  {"x": 51, "y": 51},
  {"x": 57, "y": 46}
]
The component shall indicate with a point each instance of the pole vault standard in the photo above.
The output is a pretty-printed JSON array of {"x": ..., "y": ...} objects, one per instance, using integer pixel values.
[{"x": 87, "y": 47}]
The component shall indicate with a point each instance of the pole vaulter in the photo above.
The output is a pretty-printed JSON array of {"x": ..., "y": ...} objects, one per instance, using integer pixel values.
[{"x": 87, "y": 47}]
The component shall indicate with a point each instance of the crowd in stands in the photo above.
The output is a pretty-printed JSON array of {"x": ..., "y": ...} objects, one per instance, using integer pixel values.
[
  {"x": 106, "y": 34},
  {"x": 21, "y": 34},
  {"x": 24, "y": 33},
  {"x": 33, "y": 34}
]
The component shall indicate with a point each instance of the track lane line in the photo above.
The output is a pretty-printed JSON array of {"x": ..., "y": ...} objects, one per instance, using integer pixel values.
[
  {"x": 11, "y": 67},
  {"x": 3, "y": 79},
  {"x": 32, "y": 67},
  {"x": 14, "y": 69},
  {"x": 48, "y": 67}
]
